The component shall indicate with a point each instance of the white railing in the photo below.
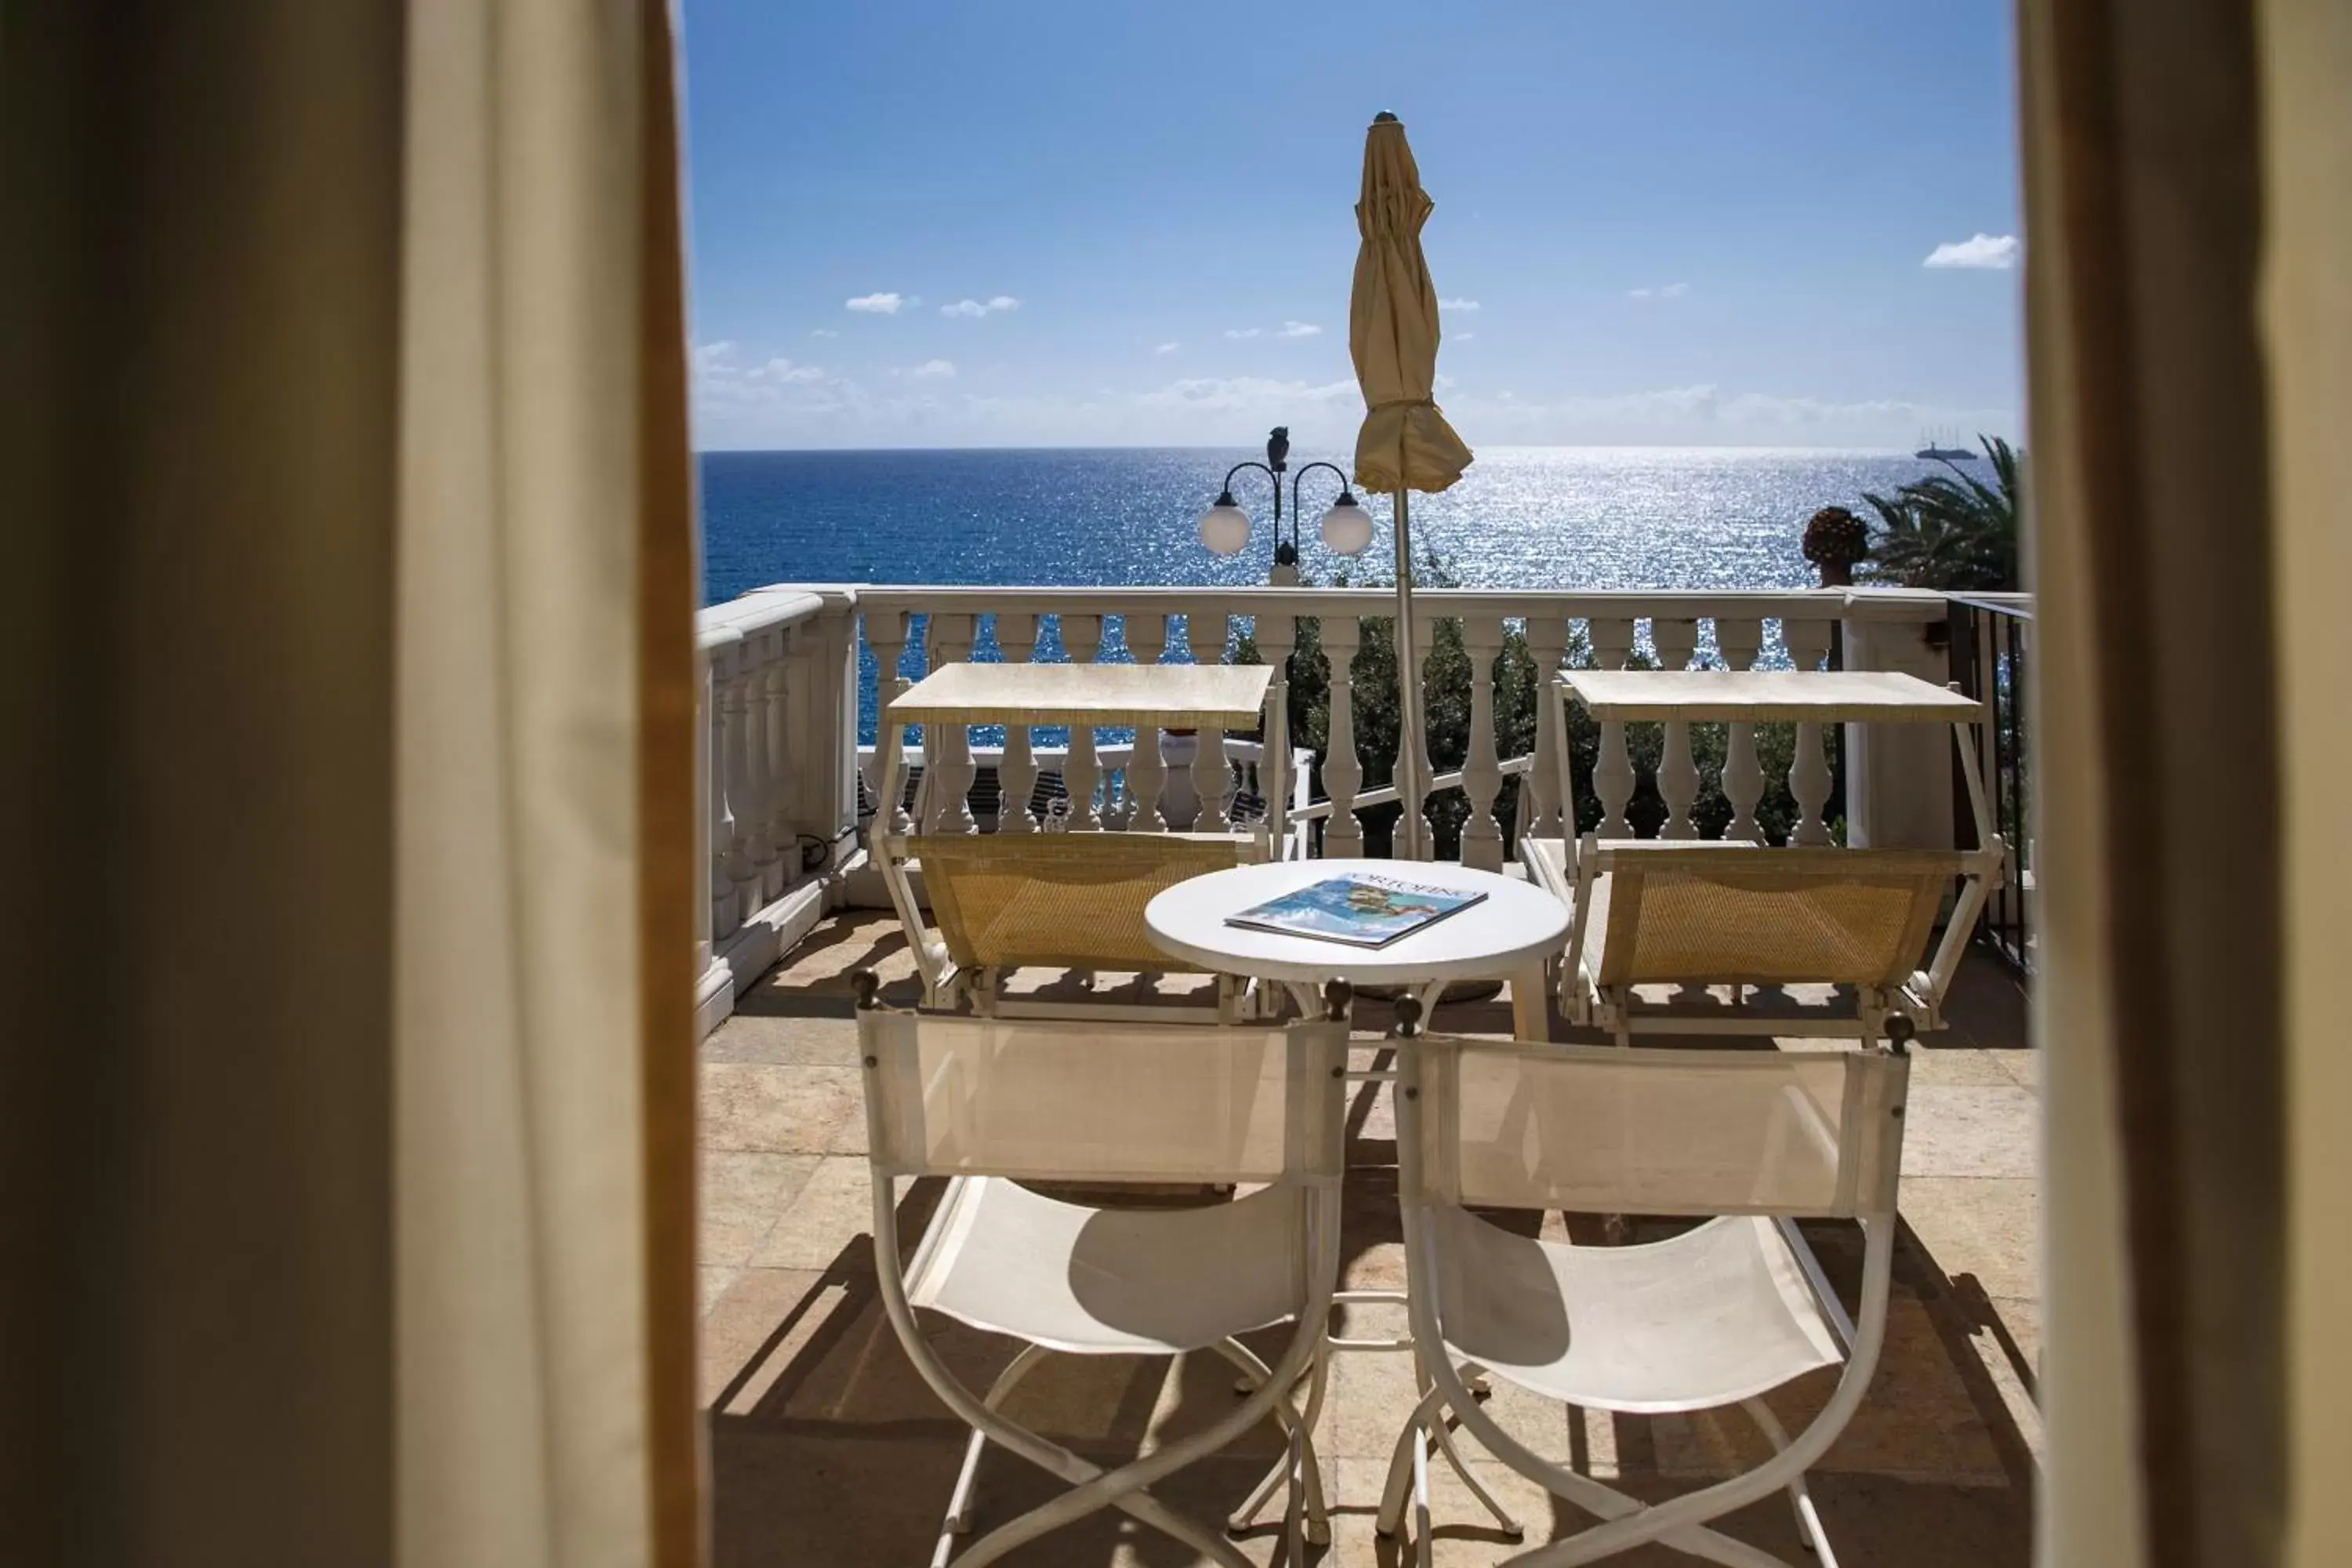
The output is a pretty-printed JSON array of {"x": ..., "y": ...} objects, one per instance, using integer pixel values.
[
  {"x": 776, "y": 758},
  {"x": 783, "y": 701}
]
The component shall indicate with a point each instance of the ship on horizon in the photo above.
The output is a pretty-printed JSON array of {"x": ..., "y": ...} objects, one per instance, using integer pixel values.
[{"x": 1936, "y": 451}]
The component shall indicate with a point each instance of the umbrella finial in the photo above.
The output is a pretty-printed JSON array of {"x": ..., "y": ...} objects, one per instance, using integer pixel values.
[{"x": 1384, "y": 118}]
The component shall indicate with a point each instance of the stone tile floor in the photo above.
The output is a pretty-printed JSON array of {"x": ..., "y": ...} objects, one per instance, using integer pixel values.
[{"x": 827, "y": 1450}]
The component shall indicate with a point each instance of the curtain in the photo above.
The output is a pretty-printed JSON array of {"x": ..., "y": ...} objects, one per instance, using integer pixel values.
[
  {"x": 2189, "y": 301},
  {"x": 521, "y": 1009},
  {"x": 346, "y": 1118}
]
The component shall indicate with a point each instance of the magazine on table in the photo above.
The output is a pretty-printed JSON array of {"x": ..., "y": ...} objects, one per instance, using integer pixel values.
[{"x": 1359, "y": 909}]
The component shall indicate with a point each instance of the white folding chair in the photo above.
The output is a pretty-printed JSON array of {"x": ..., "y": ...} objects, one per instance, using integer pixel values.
[
  {"x": 991, "y": 1103},
  {"x": 1719, "y": 1315}
]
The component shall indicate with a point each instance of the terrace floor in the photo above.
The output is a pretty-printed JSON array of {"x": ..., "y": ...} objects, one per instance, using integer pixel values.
[{"x": 826, "y": 1448}]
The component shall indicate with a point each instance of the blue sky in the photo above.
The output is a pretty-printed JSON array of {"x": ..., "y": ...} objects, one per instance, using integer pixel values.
[{"x": 1056, "y": 224}]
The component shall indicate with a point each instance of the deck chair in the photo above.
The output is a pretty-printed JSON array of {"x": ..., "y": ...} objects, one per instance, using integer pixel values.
[
  {"x": 1720, "y": 1315},
  {"x": 1732, "y": 914},
  {"x": 992, "y": 1104},
  {"x": 1060, "y": 901}
]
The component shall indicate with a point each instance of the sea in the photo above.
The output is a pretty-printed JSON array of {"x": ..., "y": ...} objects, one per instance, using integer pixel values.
[{"x": 1526, "y": 517}]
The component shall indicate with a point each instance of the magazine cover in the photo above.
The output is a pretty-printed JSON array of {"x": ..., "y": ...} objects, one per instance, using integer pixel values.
[{"x": 1363, "y": 910}]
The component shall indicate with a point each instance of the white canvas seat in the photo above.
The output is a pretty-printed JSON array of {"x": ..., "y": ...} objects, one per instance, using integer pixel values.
[
  {"x": 1714, "y": 1316},
  {"x": 1109, "y": 1281},
  {"x": 993, "y": 1104},
  {"x": 1719, "y": 1315}
]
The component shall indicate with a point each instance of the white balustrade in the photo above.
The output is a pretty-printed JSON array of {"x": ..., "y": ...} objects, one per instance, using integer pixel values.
[
  {"x": 1145, "y": 789},
  {"x": 773, "y": 746},
  {"x": 778, "y": 750}
]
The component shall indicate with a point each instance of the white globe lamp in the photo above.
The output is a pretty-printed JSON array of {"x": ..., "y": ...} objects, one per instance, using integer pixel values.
[
  {"x": 1225, "y": 527},
  {"x": 1346, "y": 527}
]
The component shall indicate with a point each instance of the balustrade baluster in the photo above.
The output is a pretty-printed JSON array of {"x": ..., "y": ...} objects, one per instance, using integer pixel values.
[
  {"x": 741, "y": 873},
  {"x": 886, "y": 634},
  {"x": 1343, "y": 774},
  {"x": 1147, "y": 769},
  {"x": 1082, "y": 636},
  {"x": 950, "y": 750},
  {"x": 772, "y": 696},
  {"x": 1678, "y": 643},
  {"x": 1548, "y": 643},
  {"x": 1275, "y": 637},
  {"x": 1809, "y": 773},
  {"x": 723, "y": 906},
  {"x": 1613, "y": 769},
  {"x": 1206, "y": 629},
  {"x": 1740, "y": 642},
  {"x": 1016, "y": 774},
  {"x": 1482, "y": 771}
]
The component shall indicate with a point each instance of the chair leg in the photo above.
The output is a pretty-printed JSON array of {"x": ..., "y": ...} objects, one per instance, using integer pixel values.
[
  {"x": 1300, "y": 1425},
  {"x": 1809, "y": 1519},
  {"x": 960, "y": 1505}
]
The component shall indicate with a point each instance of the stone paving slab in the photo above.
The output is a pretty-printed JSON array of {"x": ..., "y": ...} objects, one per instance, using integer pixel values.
[{"x": 827, "y": 1448}]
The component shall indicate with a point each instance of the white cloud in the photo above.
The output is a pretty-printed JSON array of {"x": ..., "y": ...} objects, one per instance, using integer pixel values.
[
  {"x": 1659, "y": 291},
  {"x": 783, "y": 372},
  {"x": 1301, "y": 329},
  {"x": 1463, "y": 337},
  {"x": 934, "y": 370},
  {"x": 993, "y": 305},
  {"x": 1987, "y": 252},
  {"x": 824, "y": 332},
  {"x": 1167, "y": 348},
  {"x": 882, "y": 304},
  {"x": 1241, "y": 332},
  {"x": 1458, "y": 304}
]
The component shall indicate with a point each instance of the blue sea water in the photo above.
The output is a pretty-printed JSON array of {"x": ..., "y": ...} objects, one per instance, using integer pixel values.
[
  {"x": 1527, "y": 517},
  {"x": 1532, "y": 517}
]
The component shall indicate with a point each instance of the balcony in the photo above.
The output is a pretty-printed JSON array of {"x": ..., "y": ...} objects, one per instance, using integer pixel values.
[{"x": 826, "y": 1447}]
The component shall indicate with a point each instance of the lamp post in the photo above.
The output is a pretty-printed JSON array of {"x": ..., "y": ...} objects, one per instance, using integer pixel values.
[{"x": 1346, "y": 528}]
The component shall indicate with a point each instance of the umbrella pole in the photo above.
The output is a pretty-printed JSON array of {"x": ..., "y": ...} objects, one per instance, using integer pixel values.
[{"x": 1413, "y": 751}]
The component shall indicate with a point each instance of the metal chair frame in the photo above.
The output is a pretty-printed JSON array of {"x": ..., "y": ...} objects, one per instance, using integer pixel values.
[
  {"x": 1626, "y": 1521},
  {"x": 1126, "y": 1488}
]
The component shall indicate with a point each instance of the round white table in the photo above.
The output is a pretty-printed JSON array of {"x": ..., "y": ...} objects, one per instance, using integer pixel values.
[{"x": 1507, "y": 935}]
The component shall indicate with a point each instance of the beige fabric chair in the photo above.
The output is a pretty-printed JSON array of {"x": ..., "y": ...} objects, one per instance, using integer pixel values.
[
  {"x": 1718, "y": 1315},
  {"x": 991, "y": 1103},
  {"x": 1060, "y": 901},
  {"x": 1733, "y": 913}
]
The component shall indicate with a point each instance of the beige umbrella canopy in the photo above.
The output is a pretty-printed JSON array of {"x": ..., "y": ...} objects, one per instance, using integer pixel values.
[{"x": 1405, "y": 444}]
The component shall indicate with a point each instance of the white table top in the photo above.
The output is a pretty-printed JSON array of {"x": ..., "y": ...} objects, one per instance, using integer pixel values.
[
  {"x": 1769, "y": 696},
  {"x": 1230, "y": 695},
  {"x": 1516, "y": 923}
]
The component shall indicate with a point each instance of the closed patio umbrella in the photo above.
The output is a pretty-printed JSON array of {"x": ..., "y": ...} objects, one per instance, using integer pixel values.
[{"x": 1405, "y": 444}]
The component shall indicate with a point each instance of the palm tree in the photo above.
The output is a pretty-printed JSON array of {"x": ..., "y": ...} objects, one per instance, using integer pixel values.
[{"x": 1951, "y": 532}]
